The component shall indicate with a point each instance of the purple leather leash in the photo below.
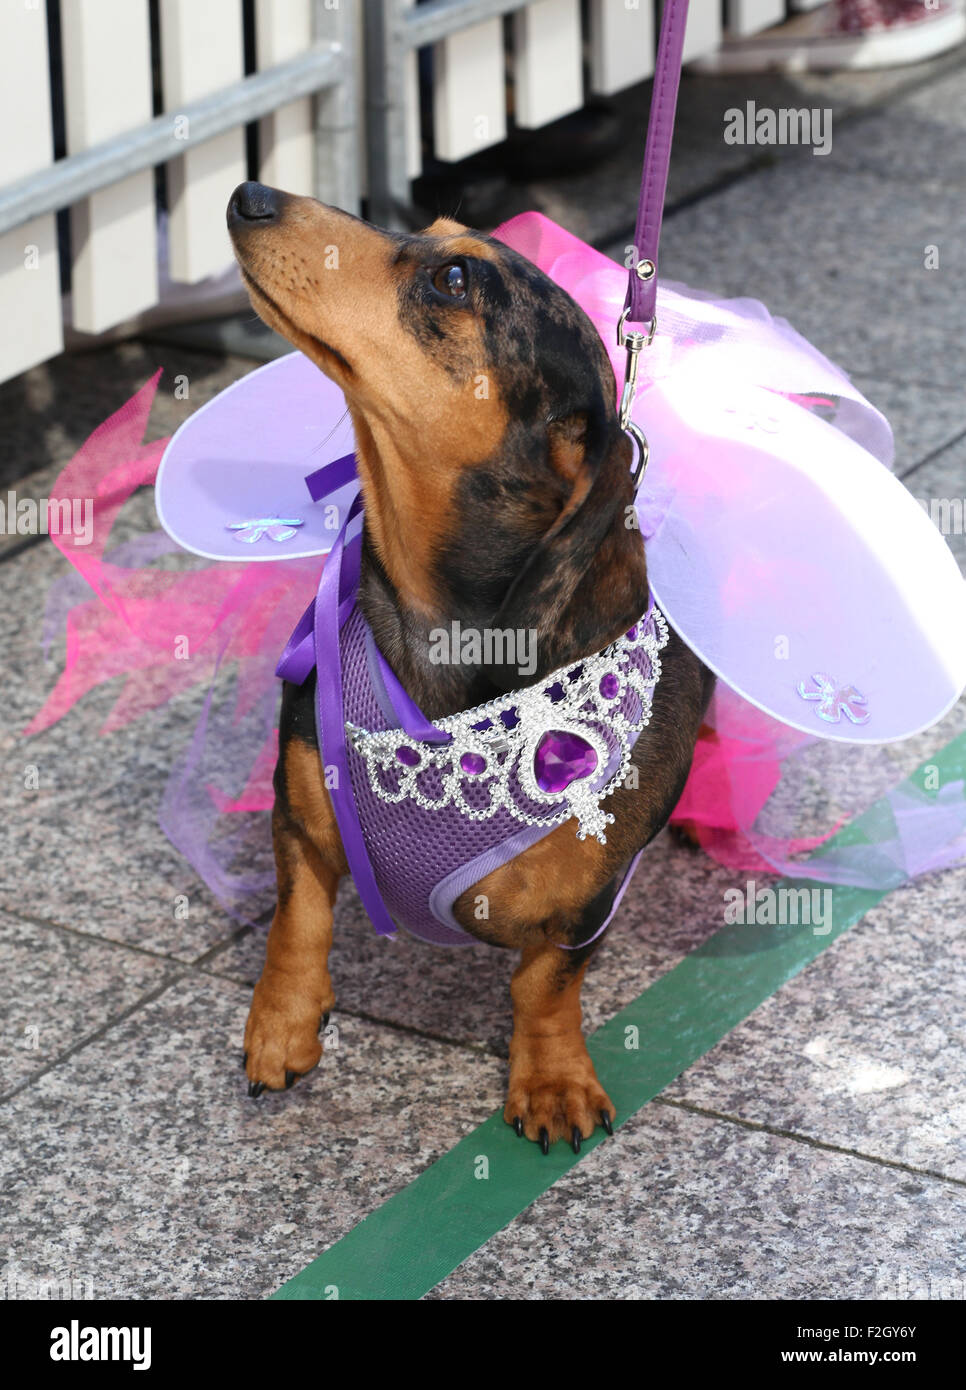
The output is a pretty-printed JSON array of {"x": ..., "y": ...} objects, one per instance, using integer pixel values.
[
  {"x": 642, "y": 279},
  {"x": 640, "y": 303}
]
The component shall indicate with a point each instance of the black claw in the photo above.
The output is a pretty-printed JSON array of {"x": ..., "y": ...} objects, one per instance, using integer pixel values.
[
  {"x": 575, "y": 1140},
  {"x": 606, "y": 1122},
  {"x": 544, "y": 1142},
  {"x": 245, "y": 1061},
  {"x": 323, "y": 1023},
  {"x": 290, "y": 1079},
  {"x": 518, "y": 1125},
  {"x": 255, "y": 1089}
]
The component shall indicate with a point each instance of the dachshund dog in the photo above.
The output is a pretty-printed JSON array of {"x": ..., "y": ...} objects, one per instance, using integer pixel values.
[{"x": 498, "y": 508}]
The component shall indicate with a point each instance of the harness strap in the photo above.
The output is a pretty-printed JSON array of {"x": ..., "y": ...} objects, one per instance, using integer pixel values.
[
  {"x": 331, "y": 716},
  {"x": 315, "y": 643}
]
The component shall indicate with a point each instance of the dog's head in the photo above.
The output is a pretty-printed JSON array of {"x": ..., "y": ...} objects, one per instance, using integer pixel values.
[{"x": 492, "y": 462}]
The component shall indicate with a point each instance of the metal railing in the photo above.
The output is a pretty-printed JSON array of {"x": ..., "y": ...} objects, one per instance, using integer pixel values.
[
  {"x": 620, "y": 39},
  {"x": 322, "y": 66}
]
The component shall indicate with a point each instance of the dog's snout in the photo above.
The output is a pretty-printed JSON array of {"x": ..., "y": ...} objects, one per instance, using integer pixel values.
[{"x": 254, "y": 202}]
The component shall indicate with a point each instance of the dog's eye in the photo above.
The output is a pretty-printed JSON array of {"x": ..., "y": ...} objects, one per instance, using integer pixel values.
[{"x": 451, "y": 280}]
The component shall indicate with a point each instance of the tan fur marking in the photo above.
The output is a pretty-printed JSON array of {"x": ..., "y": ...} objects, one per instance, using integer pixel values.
[
  {"x": 416, "y": 425},
  {"x": 295, "y": 989},
  {"x": 553, "y": 1085},
  {"x": 556, "y": 876},
  {"x": 310, "y": 804}
]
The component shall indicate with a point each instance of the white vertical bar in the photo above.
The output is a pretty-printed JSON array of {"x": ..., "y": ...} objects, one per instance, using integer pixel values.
[
  {"x": 621, "y": 44},
  {"x": 469, "y": 107},
  {"x": 283, "y": 29},
  {"x": 201, "y": 51},
  {"x": 29, "y": 277},
  {"x": 414, "y": 137},
  {"x": 751, "y": 16},
  {"x": 338, "y": 139},
  {"x": 361, "y": 111},
  {"x": 107, "y": 90},
  {"x": 703, "y": 34},
  {"x": 547, "y": 66}
]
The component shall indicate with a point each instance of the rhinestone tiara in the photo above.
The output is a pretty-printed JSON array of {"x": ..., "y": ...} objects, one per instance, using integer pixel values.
[{"x": 545, "y": 753}]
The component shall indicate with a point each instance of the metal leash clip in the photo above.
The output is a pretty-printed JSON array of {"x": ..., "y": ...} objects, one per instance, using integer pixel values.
[{"x": 634, "y": 342}]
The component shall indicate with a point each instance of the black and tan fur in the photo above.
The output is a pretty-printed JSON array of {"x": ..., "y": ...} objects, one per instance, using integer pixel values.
[{"x": 497, "y": 492}]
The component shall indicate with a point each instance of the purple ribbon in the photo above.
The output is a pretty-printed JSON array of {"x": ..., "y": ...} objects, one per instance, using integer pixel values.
[
  {"x": 328, "y": 621},
  {"x": 331, "y": 476},
  {"x": 315, "y": 643}
]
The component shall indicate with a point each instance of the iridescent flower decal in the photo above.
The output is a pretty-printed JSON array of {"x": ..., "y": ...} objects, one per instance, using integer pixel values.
[
  {"x": 835, "y": 700},
  {"x": 276, "y": 528}
]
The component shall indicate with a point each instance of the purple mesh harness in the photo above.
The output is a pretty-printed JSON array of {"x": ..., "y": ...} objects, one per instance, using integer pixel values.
[{"x": 413, "y": 855}]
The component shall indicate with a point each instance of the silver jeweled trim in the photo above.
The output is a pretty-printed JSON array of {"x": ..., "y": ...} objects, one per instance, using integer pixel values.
[{"x": 509, "y": 753}]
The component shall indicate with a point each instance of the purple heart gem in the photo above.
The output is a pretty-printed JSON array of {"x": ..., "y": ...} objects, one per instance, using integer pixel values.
[{"x": 562, "y": 758}]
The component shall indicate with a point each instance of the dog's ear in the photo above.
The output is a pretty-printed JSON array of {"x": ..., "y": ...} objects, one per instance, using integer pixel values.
[
  {"x": 585, "y": 581},
  {"x": 568, "y": 453},
  {"x": 577, "y": 446}
]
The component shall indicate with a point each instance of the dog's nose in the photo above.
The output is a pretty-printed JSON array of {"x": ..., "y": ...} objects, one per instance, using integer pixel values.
[{"x": 254, "y": 202}]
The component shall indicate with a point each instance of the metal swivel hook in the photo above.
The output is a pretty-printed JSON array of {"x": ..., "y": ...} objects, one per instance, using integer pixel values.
[{"x": 634, "y": 342}]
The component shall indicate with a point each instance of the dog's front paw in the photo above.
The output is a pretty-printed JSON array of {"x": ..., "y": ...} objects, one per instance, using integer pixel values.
[
  {"x": 281, "y": 1037},
  {"x": 554, "y": 1092}
]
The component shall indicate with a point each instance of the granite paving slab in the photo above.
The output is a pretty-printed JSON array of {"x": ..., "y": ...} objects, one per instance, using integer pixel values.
[
  {"x": 878, "y": 87},
  {"x": 940, "y": 486},
  {"x": 83, "y": 847},
  {"x": 601, "y": 202},
  {"x": 140, "y": 1165},
  {"x": 863, "y": 1048},
  {"x": 58, "y": 988},
  {"x": 918, "y": 136},
  {"x": 924, "y": 419},
  {"x": 684, "y": 1206}
]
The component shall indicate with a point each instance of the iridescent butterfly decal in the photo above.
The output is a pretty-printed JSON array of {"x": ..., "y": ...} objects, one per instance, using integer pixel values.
[{"x": 276, "y": 528}]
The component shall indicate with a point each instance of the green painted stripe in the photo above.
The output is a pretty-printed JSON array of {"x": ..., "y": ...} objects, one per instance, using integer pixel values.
[{"x": 406, "y": 1246}]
